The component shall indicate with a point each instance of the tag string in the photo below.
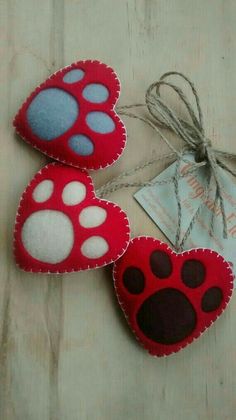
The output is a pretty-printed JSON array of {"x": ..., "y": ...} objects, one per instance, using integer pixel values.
[{"x": 161, "y": 116}]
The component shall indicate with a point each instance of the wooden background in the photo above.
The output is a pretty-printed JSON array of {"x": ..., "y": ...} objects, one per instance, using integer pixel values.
[{"x": 66, "y": 352}]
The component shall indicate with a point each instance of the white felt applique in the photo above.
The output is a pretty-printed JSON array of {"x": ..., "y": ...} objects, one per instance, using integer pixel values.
[
  {"x": 48, "y": 236},
  {"x": 61, "y": 226}
]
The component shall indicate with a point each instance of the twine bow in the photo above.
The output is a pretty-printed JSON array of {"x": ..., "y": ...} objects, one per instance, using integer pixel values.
[{"x": 161, "y": 116}]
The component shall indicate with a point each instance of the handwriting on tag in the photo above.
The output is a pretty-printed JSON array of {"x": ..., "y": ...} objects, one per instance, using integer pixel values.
[{"x": 159, "y": 202}]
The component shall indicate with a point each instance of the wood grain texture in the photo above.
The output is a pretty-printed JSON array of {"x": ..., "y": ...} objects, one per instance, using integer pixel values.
[{"x": 66, "y": 352}]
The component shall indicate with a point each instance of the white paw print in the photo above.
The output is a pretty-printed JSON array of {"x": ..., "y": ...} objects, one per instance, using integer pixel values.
[{"x": 62, "y": 226}]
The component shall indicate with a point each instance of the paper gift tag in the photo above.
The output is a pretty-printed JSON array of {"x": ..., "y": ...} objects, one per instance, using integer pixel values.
[
  {"x": 61, "y": 226},
  {"x": 159, "y": 202},
  {"x": 71, "y": 117}
]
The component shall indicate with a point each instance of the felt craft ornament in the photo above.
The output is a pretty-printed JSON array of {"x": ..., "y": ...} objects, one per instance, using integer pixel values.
[
  {"x": 170, "y": 299},
  {"x": 71, "y": 117},
  {"x": 61, "y": 226}
]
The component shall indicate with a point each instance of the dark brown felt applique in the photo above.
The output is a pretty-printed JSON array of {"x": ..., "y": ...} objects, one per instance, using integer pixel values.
[{"x": 170, "y": 299}]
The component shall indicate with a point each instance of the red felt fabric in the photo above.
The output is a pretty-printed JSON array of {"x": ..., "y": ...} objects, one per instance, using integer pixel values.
[
  {"x": 115, "y": 230},
  {"x": 218, "y": 274},
  {"x": 107, "y": 147}
]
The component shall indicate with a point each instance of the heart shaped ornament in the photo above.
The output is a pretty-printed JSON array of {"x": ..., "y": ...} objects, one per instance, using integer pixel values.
[
  {"x": 71, "y": 117},
  {"x": 170, "y": 299},
  {"x": 62, "y": 227}
]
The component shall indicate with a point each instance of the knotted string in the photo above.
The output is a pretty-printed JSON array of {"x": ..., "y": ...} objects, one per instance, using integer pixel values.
[{"x": 161, "y": 116}]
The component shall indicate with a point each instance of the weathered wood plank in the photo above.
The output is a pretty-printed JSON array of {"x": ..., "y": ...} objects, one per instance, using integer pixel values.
[{"x": 65, "y": 349}]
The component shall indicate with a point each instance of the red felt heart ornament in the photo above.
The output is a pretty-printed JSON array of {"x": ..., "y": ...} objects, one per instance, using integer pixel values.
[
  {"x": 170, "y": 299},
  {"x": 61, "y": 226},
  {"x": 71, "y": 117}
]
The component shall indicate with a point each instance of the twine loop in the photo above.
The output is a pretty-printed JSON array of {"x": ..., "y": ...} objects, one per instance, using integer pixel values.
[
  {"x": 202, "y": 150},
  {"x": 191, "y": 131}
]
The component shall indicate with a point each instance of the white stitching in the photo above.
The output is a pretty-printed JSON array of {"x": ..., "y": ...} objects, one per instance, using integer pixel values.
[
  {"x": 89, "y": 266},
  {"x": 116, "y": 97},
  {"x": 194, "y": 337}
]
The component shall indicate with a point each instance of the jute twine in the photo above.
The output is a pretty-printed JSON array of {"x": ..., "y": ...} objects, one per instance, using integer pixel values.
[{"x": 161, "y": 116}]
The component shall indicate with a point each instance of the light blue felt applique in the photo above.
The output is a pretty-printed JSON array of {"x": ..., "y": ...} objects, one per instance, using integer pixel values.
[
  {"x": 100, "y": 122},
  {"x": 81, "y": 145},
  {"x": 96, "y": 93},
  {"x": 51, "y": 113},
  {"x": 73, "y": 76}
]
